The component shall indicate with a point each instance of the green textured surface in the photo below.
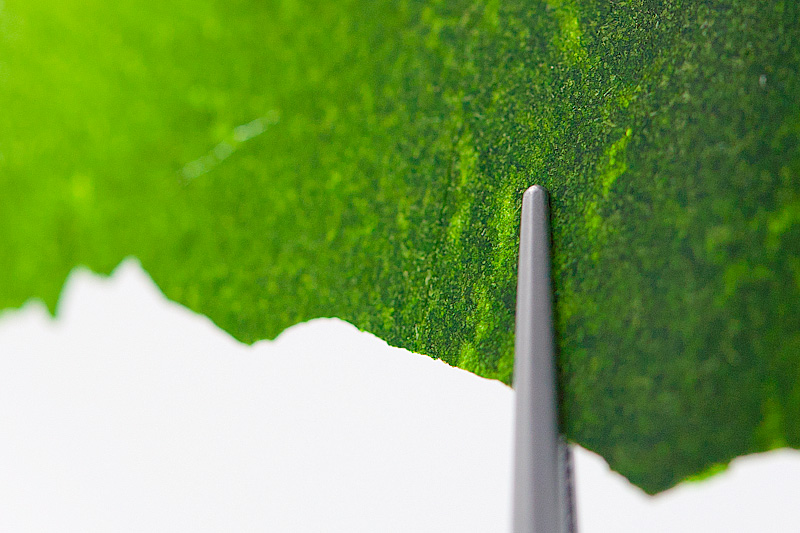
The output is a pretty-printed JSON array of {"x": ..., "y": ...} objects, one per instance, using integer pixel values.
[{"x": 270, "y": 162}]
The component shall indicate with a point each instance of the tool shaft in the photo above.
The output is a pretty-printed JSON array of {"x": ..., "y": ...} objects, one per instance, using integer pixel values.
[{"x": 542, "y": 488}]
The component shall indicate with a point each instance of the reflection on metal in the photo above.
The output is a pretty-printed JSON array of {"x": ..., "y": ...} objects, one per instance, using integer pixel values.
[{"x": 543, "y": 500}]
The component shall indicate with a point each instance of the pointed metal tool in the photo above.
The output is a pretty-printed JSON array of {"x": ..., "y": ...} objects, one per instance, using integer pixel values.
[{"x": 543, "y": 495}]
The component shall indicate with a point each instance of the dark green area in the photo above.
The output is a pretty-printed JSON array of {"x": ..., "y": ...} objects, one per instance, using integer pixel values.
[{"x": 274, "y": 161}]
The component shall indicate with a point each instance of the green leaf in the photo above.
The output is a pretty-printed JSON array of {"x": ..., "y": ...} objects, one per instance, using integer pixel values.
[{"x": 274, "y": 161}]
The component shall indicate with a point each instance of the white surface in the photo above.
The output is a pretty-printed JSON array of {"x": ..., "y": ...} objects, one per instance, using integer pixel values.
[
  {"x": 758, "y": 493},
  {"x": 130, "y": 413}
]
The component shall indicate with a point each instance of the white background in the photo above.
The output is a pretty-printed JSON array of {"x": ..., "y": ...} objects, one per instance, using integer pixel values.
[{"x": 130, "y": 413}]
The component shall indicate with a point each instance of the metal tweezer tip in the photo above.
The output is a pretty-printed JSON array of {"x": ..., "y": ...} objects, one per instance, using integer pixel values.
[{"x": 542, "y": 475}]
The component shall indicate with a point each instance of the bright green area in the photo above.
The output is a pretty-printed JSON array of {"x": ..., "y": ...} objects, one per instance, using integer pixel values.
[{"x": 274, "y": 161}]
